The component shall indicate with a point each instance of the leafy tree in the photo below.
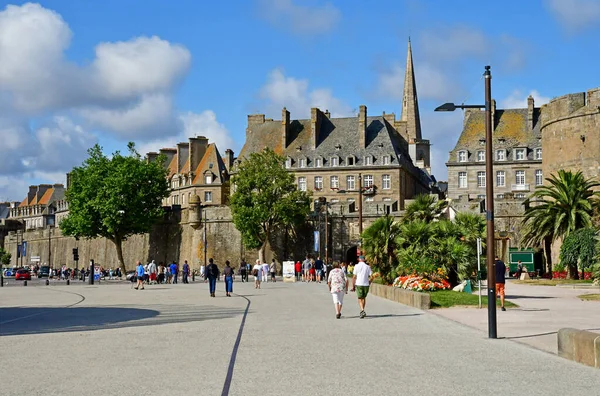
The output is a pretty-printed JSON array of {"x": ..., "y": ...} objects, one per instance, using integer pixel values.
[
  {"x": 379, "y": 241},
  {"x": 579, "y": 248},
  {"x": 5, "y": 256},
  {"x": 558, "y": 209},
  {"x": 115, "y": 197},
  {"x": 425, "y": 207},
  {"x": 265, "y": 198}
]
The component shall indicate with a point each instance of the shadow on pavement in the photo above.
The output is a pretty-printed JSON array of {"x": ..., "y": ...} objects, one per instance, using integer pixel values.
[
  {"x": 540, "y": 334},
  {"x": 511, "y": 297},
  {"x": 39, "y": 320},
  {"x": 381, "y": 316}
]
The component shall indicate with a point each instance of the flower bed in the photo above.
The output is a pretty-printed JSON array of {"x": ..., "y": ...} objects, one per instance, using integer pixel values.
[
  {"x": 420, "y": 283},
  {"x": 563, "y": 275}
]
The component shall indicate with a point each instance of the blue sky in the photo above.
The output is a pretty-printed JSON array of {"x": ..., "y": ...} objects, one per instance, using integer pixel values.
[{"x": 73, "y": 73}]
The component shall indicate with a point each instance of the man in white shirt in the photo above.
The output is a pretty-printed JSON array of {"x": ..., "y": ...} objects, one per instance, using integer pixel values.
[
  {"x": 265, "y": 272},
  {"x": 257, "y": 272},
  {"x": 361, "y": 280}
]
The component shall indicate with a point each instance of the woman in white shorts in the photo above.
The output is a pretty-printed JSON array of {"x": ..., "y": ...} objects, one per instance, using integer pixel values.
[{"x": 338, "y": 286}]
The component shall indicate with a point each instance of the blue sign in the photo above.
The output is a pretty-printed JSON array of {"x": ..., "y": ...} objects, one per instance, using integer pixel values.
[
  {"x": 317, "y": 239},
  {"x": 24, "y": 248}
]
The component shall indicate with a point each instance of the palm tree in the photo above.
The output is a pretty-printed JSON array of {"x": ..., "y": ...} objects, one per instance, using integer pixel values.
[
  {"x": 558, "y": 209},
  {"x": 379, "y": 244},
  {"x": 425, "y": 207}
]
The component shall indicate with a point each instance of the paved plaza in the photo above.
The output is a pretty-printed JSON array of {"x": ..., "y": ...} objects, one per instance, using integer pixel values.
[{"x": 281, "y": 340}]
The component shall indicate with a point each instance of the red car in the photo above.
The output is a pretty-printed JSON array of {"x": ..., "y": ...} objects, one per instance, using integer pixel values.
[{"x": 23, "y": 274}]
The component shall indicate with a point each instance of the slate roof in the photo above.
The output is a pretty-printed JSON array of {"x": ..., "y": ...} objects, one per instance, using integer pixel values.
[
  {"x": 212, "y": 153},
  {"x": 510, "y": 126},
  {"x": 4, "y": 211},
  {"x": 381, "y": 139}
]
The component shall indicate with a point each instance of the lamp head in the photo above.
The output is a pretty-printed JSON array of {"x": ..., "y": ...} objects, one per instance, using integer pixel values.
[{"x": 446, "y": 107}]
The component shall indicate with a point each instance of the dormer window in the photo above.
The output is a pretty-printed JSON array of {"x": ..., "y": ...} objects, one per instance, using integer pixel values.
[
  {"x": 350, "y": 161},
  {"x": 386, "y": 160},
  {"x": 368, "y": 160},
  {"x": 520, "y": 154},
  {"x": 288, "y": 162},
  {"x": 462, "y": 156},
  {"x": 500, "y": 155},
  {"x": 318, "y": 162},
  {"x": 208, "y": 179},
  {"x": 302, "y": 162},
  {"x": 538, "y": 153},
  {"x": 481, "y": 156},
  {"x": 335, "y": 161}
]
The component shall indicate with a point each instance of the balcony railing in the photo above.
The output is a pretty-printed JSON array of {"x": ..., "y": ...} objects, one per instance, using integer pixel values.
[{"x": 520, "y": 187}]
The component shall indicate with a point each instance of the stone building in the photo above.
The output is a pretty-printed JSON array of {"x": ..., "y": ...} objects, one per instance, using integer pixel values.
[
  {"x": 570, "y": 128},
  {"x": 196, "y": 168},
  {"x": 332, "y": 157},
  {"x": 38, "y": 209}
]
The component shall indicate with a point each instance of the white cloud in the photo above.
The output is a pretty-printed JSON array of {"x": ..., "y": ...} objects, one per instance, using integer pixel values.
[
  {"x": 453, "y": 43},
  {"x": 300, "y": 19},
  {"x": 127, "y": 88},
  {"x": 575, "y": 14},
  {"x": 294, "y": 94},
  {"x": 196, "y": 124},
  {"x": 518, "y": 99}
]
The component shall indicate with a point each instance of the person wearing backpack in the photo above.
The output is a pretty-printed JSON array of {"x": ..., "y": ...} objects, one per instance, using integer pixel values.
[{"x": 212, "y": 274}]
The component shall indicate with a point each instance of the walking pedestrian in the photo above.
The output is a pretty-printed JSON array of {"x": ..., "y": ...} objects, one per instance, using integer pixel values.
[
  {"x": 152, "y": 271},
  {"x": 174, "y": 271},
  {"x": 305, "y": 269},
  {"x": 519, "y": 269},
  {"x": 318, "y": 269},
  {"x": 265, "y": 272},
  {"x": 500, "y": 280},
  {"x": 338, "y": 287},
  {"x": 298, "y": 269},
  {"x": 228, "y": 276},
  {"x": 212, "y": 273},
  {"x": 244, "y": 271},
  {"x": 186, "y": 271},
  {"x": 140, "y": 276},
  {"x": 273, "y": 270},
  {"x": 257, "y": 273},
  {"x": 361, "y": 280}
]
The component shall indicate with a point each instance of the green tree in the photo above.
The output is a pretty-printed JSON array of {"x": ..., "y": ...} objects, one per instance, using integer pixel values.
[
  {"x": 266, "y": 197},
  {"x": 115, "y": 197},
  {"x": 5, "y": 256},
  {"x": 579, "y": 248},
  {"x": 425, "y": 207},
  {"x": 379, "y": 241},
  {"x": 559, "y": 208}
]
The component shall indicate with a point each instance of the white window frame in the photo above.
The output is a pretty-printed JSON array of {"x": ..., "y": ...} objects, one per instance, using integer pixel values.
[
  {"x": 334, "y": 182},
  {"x": 350, "y": 182},
  {"x": 335, "y": 161},
  {"x": 302, "y": 183},
  {"x": 288, "y": 163},
  {"x": 520, "y": 177},
  {"x": 500, "y": 157},
  {"x": 207, "y": 196},
  {"x": 302, "y": 162},
  {"x": 500, "y": 179},
  {"x": 368, "y": 160},
  {"x": 463, "y": 180},
  {"x": 208, "y": 179},
  {"x": 318, "y": 183},
  {"x": 538, "y": 153},
  {"x": 386, "y": 160},
  {"x": 481, "y": 156},
  {"x": 520, "y": 152},
  {"x": 318, "y": 162},
  {"x": 386, "y": 182},
  {"x": 481, "y": 181},
  {"x": 463, "y": 156},
  {"x": 539, "y": 177},
  {"x": 367, "y": 181}
]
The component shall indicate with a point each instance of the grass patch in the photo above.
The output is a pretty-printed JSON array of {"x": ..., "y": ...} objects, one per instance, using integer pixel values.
[
  {"x": 590, "y": 297},
  {"x": 552, "y": 282},
  {"x": 449, "y": 298}
]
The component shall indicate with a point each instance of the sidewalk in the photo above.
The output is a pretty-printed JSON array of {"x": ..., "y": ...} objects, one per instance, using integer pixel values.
[{"x": 543, "y": 310}]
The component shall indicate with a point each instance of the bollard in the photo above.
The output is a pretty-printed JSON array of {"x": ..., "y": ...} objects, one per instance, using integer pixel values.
[
  {"x": 47, "y": 282},
  {"x": 1, "y": 279},
  {"x": 24, "y": 283},
  {"x": 193, "y": 277},
  {"x": 91, "y": 277},
  {"x": 68, "y": 282}
]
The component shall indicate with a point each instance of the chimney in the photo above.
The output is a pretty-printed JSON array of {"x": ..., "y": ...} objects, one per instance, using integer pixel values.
[
  {"x": 362, "y": 126},
  {"x": 315, "y": 126},
  {"x": 285, "y": 128},
  {"x": 182, "y": 155},
  {"x": 493, "y": 109},
  {"x": 31, "y": 193},
  {"x": 391, "y": 118},
  {"x": 169, "y": 153},
  {"x": 327, "y": 113},
  {"x": 42, "y": 190},
  {"x": 150, "y": 157},
  {"x": 198, "y": 146},
  {"x": 228, "y": 159},
  {"x": 68, "y": 180},
  {"x": 256, "y": 119},
  {"x": 530, "y": 107}
]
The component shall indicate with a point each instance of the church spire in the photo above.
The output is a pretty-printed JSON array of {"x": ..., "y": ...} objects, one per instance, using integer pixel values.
[{"x": 410, "y": 103}]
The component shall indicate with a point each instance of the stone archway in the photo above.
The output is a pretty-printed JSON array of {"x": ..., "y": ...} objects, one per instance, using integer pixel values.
[{"x": 351, "y": 255}]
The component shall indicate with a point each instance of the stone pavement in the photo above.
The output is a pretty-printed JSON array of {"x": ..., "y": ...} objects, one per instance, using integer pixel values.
[
  {"x": 543, "y": 310},
  {"x": 280, "y": 340}
]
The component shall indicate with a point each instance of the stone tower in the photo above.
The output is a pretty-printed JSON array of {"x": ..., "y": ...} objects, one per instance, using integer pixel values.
[{"x": 418, "y": 148}]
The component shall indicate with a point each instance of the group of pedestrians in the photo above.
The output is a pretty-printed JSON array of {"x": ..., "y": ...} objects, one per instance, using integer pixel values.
[
  {"x": 311, "y": 270},
  {"x": 158, "y": 274}
]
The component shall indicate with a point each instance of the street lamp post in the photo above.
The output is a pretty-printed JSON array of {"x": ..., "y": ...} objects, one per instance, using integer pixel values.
[
  {"x": 360, "y": 211},
  {"x": 489, "y": 199}
]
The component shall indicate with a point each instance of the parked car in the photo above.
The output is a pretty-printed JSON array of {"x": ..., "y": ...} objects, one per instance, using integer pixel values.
[
  {"x": 23, "y": 274},
  {"x": 44, "y": 272},
  {"x": 9, "y": 272}
]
